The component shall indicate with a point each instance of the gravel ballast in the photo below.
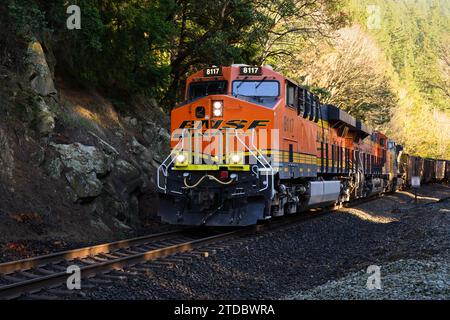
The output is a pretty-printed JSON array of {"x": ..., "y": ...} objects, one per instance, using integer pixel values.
[{"x": 402, "y": 279}]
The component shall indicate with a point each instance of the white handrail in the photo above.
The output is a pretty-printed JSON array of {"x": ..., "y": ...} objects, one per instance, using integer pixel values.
[
  {"x": 252, "y": 142},
  {"x": 266, "y": 166},
  {"x": 165, "y": 167}
]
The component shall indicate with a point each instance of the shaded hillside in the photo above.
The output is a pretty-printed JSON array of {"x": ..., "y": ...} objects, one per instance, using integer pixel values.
[
  {"x": 414, "y": 36},
  {"x": 71, "y": 166}
]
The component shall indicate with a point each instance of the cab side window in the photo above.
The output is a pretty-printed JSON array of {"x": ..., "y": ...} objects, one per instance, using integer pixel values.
[
  {"x": 301, "y": 101},
  {"x": 312, "y": 114},
  {"x": 291, "y": 95},
  {"x": 317, "y": 115},
  {"x": 307, "y": 104}
]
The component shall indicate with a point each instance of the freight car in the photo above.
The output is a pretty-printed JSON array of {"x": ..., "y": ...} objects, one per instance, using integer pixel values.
[
  {"x": 440, "y": 170},
  {"x": 249, "y": 144},
  {"x": 411, "y": 166},
  {"x": 428, "y": 173}
]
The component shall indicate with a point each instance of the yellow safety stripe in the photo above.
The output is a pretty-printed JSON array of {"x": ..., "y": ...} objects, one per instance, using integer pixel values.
[{"x": 212, "y": 167}]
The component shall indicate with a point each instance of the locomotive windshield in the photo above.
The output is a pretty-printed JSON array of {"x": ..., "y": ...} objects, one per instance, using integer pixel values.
[
  {"x": 206, "y": 88},
  {"x": 256, "y": 88}
]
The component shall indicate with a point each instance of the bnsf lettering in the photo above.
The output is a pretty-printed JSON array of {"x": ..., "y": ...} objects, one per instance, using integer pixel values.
[
  {"x": 216, "y": 124},
  {"x": 189, "y": 124},
  {"x": 258, "y": 123},
  {"x": 235, "y": 124}
]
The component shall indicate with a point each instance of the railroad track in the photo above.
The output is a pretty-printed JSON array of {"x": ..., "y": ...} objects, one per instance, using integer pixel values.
[
  {"x": 30, "y": 276},
  {"x": 18, "y": 278}
]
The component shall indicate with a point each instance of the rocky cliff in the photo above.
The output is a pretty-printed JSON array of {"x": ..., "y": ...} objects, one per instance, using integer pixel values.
[{"x": 71, "y": 165}]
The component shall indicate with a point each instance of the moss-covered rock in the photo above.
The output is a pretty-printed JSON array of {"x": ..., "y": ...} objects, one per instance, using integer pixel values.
[{"x": 38, "y": 71}]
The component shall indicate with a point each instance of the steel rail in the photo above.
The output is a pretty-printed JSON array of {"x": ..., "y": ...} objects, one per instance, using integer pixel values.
[
  {"x": 18, "y": 289},
  {"x": 34, "y": 262}
]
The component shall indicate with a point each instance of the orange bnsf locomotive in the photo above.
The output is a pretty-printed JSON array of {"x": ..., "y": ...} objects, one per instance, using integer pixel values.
[{"x": 249, "y": 144}]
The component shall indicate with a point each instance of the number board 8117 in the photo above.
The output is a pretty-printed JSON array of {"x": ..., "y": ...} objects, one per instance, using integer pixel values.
[
  {"x": 249, "y": 71},
  {"x": 214, "y": 71}
]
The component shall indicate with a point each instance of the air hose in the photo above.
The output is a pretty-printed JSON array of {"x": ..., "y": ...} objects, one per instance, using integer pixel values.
[{"x": 202, "y": 178}]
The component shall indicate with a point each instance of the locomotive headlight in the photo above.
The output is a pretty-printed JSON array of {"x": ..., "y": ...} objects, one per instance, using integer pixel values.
[
  {"x": 181, "y": 159},
  {"x": 217, "y": 108},
  {"x": 236, "y": 158}
]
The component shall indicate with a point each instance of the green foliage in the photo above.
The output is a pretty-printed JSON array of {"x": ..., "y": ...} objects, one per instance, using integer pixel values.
[
  {"x": 206, "y": 33},
  {"x": 19, "y": 20},
  {"x": 120, "y": 47},
  {"x": 128, "y": 47},
  {"x": 23, "y": 17},
  {"x": 413, "y": 36},
  {"x": 348, "y": 71}
]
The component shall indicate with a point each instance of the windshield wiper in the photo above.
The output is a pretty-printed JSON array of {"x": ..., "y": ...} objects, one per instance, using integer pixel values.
[
  {"x": 242, "y": 82},
  {"x": 265, "y": 77}
]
